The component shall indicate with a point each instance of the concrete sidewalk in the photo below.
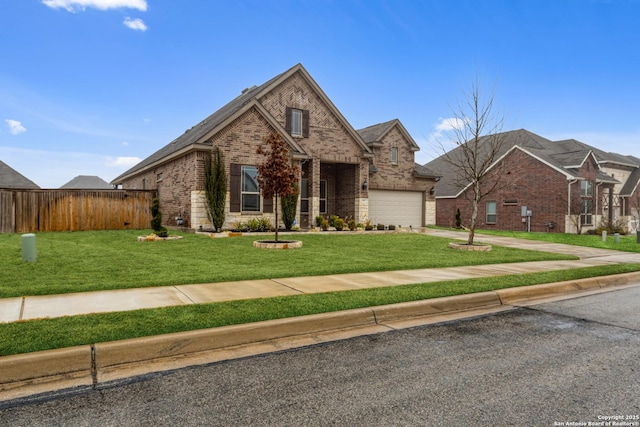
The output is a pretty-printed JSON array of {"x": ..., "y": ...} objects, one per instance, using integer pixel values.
[{"x": 50, "y": 306}]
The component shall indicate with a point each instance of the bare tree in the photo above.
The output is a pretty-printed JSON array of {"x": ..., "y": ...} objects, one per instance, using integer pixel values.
[{"x": 478, "y": 142}]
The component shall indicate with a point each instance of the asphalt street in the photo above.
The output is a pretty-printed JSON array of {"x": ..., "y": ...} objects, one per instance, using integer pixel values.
[{"x": 569, "y": 362}]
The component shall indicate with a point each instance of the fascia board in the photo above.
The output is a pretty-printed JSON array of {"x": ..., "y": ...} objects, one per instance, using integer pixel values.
[
  {"x": 162, "y": 161},
  {"x": 264, "y": 113}
]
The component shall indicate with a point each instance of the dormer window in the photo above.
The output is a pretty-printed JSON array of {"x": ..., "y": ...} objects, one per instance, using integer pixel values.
[{"x": 297, "y": 122}]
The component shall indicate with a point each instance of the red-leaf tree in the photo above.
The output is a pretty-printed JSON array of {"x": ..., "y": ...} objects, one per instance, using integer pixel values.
[{"x": 276, "y": 175}]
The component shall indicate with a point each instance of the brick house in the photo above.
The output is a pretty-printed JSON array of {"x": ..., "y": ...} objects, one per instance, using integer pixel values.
[
  {"x": 340, "y": 167},
  {"x": 561, "y": 186}
]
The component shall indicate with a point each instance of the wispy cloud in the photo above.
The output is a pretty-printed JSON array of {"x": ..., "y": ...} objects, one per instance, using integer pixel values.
[
  {"x": 135, "y": 24},
  {"x": 81, "y": 5},
  {"x": 122, "y": 162},
  {"x": 444, "y": 128},
  {"x": 15, "y": 127}
]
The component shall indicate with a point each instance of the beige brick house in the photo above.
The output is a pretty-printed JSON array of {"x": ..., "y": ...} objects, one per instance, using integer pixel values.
[{"x": 366, "y": 174}]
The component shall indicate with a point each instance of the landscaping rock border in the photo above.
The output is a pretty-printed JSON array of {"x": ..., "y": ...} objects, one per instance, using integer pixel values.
[
  {"x": 467, "y": 247},
  {"x": 284, "y": 244}
]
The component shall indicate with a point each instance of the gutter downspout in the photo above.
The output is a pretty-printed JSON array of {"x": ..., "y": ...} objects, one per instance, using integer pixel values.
[
  {"x": 598, "y": 198},
  {"x": 573, "y": 181}
]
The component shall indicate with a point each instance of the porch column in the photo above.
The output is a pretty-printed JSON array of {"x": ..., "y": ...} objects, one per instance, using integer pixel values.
[{"x": 362, "y": 194}]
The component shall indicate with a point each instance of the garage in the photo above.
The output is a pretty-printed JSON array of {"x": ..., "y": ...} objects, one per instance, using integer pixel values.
[{"x": 403, "y": 208}]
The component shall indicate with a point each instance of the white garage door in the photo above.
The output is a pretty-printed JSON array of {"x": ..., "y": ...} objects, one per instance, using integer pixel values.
[{"x": 396, "y": 207}]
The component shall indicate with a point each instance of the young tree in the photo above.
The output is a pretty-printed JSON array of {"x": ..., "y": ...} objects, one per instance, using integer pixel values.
[
  {"x": 276, "y": 175},
  {"x": 478, "y": 142},
  {"x": 215, "y": 182}
]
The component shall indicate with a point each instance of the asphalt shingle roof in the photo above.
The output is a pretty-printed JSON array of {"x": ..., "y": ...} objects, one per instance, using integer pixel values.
[
  {"x": 10, "y": 178},
  {"x": 562, "y": 155},
  {"x": 195, "y": 133},
  {"x": 87, "y": 182}
]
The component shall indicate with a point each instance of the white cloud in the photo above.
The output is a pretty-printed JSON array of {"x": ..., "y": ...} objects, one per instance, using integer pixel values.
[
  {"x": 122, "y": 162},
  {"x": 450, "y": 123},
  {"x": 135, "y": 24},
  {"x": 15, "y": 127},
  {"x": 444, "y": 129},
  {"x": 75, "y": 5}
]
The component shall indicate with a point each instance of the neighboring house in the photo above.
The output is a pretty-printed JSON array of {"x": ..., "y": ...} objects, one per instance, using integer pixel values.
[
  {"x": 10, "y": 178},
  {"x": 562, "y": 186},
  {"x": 343, "y": 172},
  {"x": 87, "y": 182}
]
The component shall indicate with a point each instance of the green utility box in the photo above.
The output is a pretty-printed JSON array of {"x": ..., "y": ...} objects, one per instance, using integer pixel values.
[{"x": 29, "y": 247}]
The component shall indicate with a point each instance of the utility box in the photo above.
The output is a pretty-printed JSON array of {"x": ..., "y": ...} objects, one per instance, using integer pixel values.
[{"x": 28, "y": 247}]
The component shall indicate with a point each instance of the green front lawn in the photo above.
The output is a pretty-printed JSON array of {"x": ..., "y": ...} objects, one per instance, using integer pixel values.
[
  {"x": 627, "y": 242},
  {"x": 100, "y": 260}
]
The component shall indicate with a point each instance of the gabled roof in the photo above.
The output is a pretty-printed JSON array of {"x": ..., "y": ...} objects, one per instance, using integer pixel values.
[
  {"x": 10, "y": 178},
  {"x": 425, "y": 172},
  {"x": 602, "y": 157},
  {"x": 87, "y": 182},
  {"x": 631, "y": 184},
  {"x": 374, "y": 134},
  {"x": 249, "y": 98},
  {"x": 564, "y": 156}
]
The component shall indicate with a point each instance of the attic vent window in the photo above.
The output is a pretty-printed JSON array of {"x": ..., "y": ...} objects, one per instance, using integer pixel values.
[{"x": 510, "y": 202}]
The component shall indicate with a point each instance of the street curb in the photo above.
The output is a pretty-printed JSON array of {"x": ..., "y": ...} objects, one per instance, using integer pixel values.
[
  {"x": 89, "y": 365},
  {"x": 525, "y": 293}
]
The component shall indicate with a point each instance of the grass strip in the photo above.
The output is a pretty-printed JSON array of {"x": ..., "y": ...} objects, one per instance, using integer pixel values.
[
  {"x": 625, "y": 243},
  {"x": 45, "y": 334}
]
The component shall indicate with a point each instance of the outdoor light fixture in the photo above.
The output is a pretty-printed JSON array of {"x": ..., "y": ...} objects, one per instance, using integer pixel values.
[
  {"x": 365, "y": 184},
  {"x": 179, "y": 220},
  {"x": 432, "y": 191}
]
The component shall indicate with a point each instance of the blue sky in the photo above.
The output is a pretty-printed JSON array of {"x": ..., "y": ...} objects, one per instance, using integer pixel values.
[{"x": 90, "y": 87}]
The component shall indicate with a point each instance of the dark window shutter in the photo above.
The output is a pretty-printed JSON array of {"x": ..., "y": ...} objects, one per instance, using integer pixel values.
[
  {"x": 267, "y": 205},
  {"x": 236, "y": 195},
  {"x": 287, "y": 123},
  {"x": 305, "y": 123}
]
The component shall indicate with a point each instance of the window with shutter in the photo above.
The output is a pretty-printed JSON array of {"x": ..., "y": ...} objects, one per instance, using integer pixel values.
[
  {"x": 235, "y": 190},
  {"x": 297, "y": 122},
  {"x": 250, "y": 193}
]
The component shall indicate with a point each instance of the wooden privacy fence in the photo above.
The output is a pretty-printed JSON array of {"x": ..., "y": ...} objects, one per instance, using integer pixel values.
[{"x": 25, "y": 211}]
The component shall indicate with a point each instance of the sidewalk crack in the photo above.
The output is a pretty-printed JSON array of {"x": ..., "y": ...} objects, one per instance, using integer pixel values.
[
  {"x": 24, "y": 299},
  {"x": 287, "y": 286},
  {"x": 185, "y": 295}
]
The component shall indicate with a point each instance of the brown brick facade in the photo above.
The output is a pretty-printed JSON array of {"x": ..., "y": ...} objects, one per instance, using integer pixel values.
[
  {"x": 526, "y": 182},
  {"x": 331, "y": 150}
]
